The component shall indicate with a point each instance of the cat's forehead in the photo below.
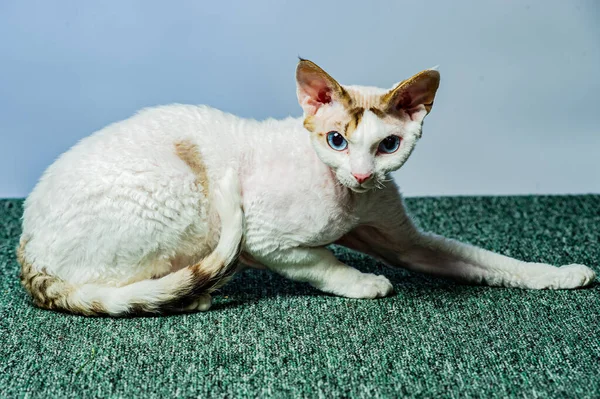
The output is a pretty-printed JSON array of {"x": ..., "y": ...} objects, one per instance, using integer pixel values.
[
  {"x": 357, "y": 124},
  {"x": 366, "y": 115},
  {"x": 357, "y": 105},
  {"x": 365, "y": 96},
  {"x": 372, "y": 127}
]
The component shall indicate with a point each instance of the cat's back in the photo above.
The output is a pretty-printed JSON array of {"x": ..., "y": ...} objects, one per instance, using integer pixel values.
[
  {"x": 124, "y": 196},
  {"x": 152, "y": 128},
  {"x": 136, "y": 157},
  {"x": 138, "y": 142}
]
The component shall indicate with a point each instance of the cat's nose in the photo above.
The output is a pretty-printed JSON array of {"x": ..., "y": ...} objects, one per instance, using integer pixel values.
[{"x": 362, "y": 177}]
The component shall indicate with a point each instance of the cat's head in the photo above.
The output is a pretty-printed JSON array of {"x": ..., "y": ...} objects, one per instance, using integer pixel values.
[{"x": 363, "y": 133}]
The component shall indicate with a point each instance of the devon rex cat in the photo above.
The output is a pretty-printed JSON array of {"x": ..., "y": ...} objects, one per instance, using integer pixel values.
[{"x": 152, "y": 214}]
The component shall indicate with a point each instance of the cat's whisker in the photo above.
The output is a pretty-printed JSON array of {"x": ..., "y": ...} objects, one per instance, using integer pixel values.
[{"x": 379, "y": 184}]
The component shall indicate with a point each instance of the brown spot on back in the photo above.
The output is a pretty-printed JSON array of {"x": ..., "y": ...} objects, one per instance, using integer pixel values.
[{"x": 188, "y": 152}]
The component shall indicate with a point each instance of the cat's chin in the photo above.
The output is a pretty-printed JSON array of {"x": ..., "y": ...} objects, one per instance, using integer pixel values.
[{"x": 359, "y": 190}]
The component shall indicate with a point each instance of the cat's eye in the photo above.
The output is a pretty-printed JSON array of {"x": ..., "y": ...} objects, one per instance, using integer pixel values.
[
  {"x": 389, "y": 144},
  {"x": 336, "y": 141}
]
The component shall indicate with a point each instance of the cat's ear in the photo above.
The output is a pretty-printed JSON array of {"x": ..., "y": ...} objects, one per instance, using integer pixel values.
[
  {"x": 316, "y": 88},
  {"x": 414, "y": 96}
]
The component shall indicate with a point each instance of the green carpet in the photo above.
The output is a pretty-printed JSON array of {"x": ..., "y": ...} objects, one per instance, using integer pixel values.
[{"x": 270, "y": 337}]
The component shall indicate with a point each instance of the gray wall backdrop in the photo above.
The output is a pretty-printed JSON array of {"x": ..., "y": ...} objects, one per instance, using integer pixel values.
[{"x": 517, "y": 111}]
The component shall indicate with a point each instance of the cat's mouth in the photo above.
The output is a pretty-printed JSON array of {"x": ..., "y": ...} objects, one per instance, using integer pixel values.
[
  {"x": 351, "y": 184},
  {"x": 370, "y": 185}
]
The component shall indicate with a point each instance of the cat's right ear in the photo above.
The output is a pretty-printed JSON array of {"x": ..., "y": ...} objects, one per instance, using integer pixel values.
[{"x": 316, "y": 88}]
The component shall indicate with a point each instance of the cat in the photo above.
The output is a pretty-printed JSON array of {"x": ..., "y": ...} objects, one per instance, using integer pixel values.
[{"x": 154, "y": 213}]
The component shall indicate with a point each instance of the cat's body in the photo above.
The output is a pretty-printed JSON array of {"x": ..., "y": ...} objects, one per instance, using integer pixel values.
[
  {"x": 289, "y": 197},
  {"x": 146, "y": 214}
]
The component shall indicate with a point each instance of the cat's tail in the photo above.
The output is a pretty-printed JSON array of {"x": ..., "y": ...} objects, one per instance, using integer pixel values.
[{"x": 185, "y": 289}]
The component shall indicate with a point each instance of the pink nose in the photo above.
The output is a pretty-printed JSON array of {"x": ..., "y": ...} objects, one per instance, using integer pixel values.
[{"x": 362, "y": 177}]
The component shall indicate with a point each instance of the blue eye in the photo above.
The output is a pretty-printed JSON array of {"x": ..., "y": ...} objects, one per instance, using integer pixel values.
[
  {"x": 389, "y": 144},
  {"x": 336, "y": 141}
]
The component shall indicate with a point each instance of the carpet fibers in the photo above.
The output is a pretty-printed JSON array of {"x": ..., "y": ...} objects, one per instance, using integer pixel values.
[{"x": 267, "y": 336}]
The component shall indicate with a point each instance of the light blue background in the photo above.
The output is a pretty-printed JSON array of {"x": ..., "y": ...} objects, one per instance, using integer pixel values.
[{"x": 517, "y": 112}]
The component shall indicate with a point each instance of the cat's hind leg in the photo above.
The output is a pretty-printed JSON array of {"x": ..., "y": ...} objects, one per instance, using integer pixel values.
[
  {"x": 202, "y": 303},
  {"x": 188, "y": 288}
]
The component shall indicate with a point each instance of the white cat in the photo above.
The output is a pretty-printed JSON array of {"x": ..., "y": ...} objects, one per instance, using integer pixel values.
[{"x": 151, "y": 213}]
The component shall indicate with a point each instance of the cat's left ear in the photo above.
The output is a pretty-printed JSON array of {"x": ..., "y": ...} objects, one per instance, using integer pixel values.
[
  {"x": 414, "y": 96},
  {"x": 315, "y": 88}
]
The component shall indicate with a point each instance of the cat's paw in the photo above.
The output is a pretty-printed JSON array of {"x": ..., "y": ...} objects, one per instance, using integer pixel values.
[
  {"x": 567, "y": 277},
  {"x": 370, "y": 286},
  {"x": 574, "y": 276},
  {"x": 202, "y": 304}
]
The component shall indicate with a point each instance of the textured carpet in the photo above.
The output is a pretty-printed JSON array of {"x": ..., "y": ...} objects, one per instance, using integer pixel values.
[{"x": 270, "y": 337}]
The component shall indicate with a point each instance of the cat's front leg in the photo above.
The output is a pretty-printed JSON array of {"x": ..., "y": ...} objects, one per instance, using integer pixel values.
[
  {"x": 394, "y": 239},
  {"x": 433, "y": 254},
  {"x": 321, "y": 269}
]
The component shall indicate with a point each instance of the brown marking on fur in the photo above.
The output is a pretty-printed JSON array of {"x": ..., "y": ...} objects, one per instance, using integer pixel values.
[
  {"x": 379, "y": 113},
  {"x": 205, "y": 277},
  {"x": 97, "y": 308},
  {"x": 309, "y": 123},
  {"x": 212, "y": 272},
  {"x": 138, "y": 309},
  {"x": 353, "y": 100},
  {"x": 188, "y": 152},
  {"x": 366, "y": 101},
  {"x": 201, "y": 278},
  {"x": 356, "y": 115},
  {"x": 38, "y": 283},
  {"x": 356, "y": 102}
]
